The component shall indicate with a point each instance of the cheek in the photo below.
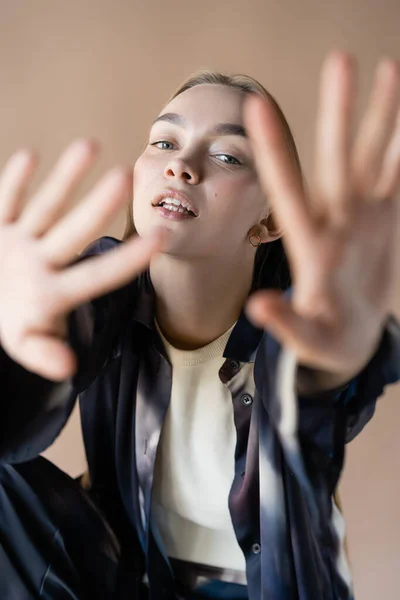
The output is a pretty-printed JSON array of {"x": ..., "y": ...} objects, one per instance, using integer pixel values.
[
  {"x": 241, "y": 196},
  {"x": 143, "y": 175},
  {"x": 143, "y": 172}
]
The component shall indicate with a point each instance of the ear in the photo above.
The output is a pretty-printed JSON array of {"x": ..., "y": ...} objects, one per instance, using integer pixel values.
[{"x": 268, "y": 229}]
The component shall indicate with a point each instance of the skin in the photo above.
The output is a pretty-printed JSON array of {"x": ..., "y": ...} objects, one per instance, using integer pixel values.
[
  {"x": 210, "y": 259},
  {"x": 334, "y": 319},
  {"x": 341, "y": 238}
]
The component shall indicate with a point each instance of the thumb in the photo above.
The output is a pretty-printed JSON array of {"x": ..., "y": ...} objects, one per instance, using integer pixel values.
[{"x": 272, "y": 311}]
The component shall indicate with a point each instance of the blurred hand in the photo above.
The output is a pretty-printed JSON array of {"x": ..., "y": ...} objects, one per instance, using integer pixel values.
[
  {"x": 341, "y": 237},
  {"x": 37, "y": 287}
]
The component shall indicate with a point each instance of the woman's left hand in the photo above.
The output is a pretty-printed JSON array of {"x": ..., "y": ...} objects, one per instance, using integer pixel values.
[{"x": 341, "y": 238}]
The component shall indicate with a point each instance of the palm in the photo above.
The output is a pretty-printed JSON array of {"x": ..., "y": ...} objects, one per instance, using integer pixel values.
[
  {"x": 340, "y": 238},
  {"x": 37, "y": 245}
]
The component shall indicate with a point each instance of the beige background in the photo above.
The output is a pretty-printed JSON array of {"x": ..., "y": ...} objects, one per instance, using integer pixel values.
[{"x": 105, "y": 68}]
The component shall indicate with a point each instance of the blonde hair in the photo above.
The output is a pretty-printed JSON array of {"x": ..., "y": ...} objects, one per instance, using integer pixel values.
[{"x": 246, "y": 84}]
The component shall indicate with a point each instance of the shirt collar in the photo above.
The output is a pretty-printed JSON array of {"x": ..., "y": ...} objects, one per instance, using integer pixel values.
[{"x": 242, "y": 344}]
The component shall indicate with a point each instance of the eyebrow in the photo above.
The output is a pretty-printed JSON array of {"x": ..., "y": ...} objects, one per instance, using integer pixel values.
[{"x": 221, "y": 129}]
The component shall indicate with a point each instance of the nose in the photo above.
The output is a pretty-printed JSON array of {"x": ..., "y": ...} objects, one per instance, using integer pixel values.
[{"x": 182, "y": 170}]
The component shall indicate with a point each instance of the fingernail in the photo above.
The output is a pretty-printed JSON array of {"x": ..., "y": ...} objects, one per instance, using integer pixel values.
[
  {"x": 24, "y": 156},
  {"x": 22, "y": 160},
  {"x": 123, "y": 174},
  {"x": 387, "y": 68},
  {"x": 84, "y": 145}
]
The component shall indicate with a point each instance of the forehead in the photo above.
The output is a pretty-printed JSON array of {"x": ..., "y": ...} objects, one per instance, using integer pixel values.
[{"x": 208, "y": 103}]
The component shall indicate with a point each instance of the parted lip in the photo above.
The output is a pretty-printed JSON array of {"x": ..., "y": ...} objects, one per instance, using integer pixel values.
[{"x": 170, "y": 193}]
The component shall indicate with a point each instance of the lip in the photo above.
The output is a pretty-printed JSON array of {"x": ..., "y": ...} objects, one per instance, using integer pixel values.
[{"x": 169, "y": 193}]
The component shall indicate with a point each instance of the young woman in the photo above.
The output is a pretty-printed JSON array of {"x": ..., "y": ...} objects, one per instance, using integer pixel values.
[{"x": 214, "y": 423}]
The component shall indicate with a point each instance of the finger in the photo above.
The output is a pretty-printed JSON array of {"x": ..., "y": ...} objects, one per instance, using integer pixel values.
[
  {"x": 278, "y": 175},
  {"x": 47, "y": 356},
  {"x": 389, "y": 178},
  {"x": 332, "y": 149},
  {"x": 89, "y": 219},
  {"x": 376, "y": 128},
  {"x": 46, "y": 206},
  {"x": 302, "y": 335},
  {"x": 13, "y": 183},
  {"x": 93, "y": 277}
]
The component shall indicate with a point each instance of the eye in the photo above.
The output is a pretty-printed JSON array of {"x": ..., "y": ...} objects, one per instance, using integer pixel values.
[
  {"x": 163, "y": 145},
  {"x": 229, "y": 159}
]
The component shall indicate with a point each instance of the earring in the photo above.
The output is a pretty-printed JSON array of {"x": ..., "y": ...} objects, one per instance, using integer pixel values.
[{"x": 259, "y": 240}]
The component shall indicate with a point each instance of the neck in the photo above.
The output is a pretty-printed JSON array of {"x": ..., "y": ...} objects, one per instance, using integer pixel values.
[{"x": 197, "y": 300}]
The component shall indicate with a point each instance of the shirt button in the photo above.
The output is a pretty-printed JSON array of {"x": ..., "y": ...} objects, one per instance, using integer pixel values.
[
  {"x": 256, "y": 548},
  {"x": 234, "y": 365},
  {"x": 247, "y": 400}
]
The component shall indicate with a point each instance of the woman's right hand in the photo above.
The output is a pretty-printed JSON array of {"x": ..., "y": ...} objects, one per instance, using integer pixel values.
[{"x": 38, "y": 287}]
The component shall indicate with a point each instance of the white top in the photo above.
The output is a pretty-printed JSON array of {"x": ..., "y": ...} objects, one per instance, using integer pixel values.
[{"x": 194, "y": 467}]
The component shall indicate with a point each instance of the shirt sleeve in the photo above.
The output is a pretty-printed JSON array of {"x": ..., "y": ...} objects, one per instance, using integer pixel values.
[
  {"x": 323, "y": 422},
  {"x": 360, "y": 395},
  {"x": 337, "y": 416}
]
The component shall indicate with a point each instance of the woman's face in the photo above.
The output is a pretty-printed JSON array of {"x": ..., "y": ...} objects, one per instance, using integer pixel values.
[{"x": 199, "y": 156}]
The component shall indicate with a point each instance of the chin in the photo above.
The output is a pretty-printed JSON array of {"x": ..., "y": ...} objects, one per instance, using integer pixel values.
[{"x": 143, "y": 227}]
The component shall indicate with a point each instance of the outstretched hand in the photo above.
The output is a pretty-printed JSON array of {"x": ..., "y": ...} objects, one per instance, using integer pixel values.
[
  {"x": 341, "y": 237},
  {"x": 38, "y": 287}
]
